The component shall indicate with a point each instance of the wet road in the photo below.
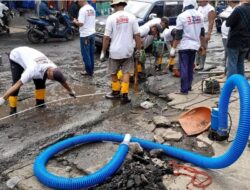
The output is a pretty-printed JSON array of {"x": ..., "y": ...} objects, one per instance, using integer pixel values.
[{"x": 23, "y": 137}]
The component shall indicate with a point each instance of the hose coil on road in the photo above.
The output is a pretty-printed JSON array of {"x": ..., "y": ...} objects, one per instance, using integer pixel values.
[{"x": 222, "y": 161}]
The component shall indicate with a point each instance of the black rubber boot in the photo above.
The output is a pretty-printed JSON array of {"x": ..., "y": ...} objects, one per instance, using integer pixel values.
[
  {"x": 113, "y": 95},
  {"x": 157, "y": 67},
  {"x": 142, "y": 77},
  {"x": 12, "y": 111},
  {"x": 125, "y": 99},
  {"x": 40, "y": 103}
]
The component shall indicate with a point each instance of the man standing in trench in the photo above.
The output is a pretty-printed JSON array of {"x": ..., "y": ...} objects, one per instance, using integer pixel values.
[
  {"x": 121, "y": 28},
  {"x": 29, "y": 64},
  {"x": 86, "y": 24}
]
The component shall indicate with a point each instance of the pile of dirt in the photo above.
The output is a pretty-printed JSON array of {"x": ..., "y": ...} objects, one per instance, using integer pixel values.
[{"x": 140, "y": 171}]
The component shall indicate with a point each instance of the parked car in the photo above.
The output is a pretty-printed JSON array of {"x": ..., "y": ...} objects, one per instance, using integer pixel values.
[
  {"x": 144, "y": 10},
  {"x": 222, "y": 6}
]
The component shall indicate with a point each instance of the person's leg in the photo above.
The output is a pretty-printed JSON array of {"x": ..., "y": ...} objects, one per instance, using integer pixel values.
[
  {"x": 92, "y": 52},
  {"x": 127, "y": 66},
  {"x": 191, "y": 55},
  {"x": 40, "y": 92},
  {"x": 54, "y": 20},
  {"x": 113, "y": 68},
  {"x": 85, "y": 49},
  {"x": 184, "y": 60},
  {"x": 16, "y": 71},
  {"x": 240, "y": 64},
  {"x": 233, "y": 55},
  {"x": 224, "y": 41}
]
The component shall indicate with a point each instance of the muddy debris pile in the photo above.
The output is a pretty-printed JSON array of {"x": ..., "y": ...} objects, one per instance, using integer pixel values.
[{"x": 142, "y": 170}]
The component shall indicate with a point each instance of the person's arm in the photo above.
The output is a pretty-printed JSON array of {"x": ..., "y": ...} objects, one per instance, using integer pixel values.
[
  {"x": 106, "y": 39},
  {"x": 77, "y": 22},
  {"x": 81, "y": 18},
  {"x": 105, "y": 43},
  {"x": 211, "y": 18},
  {"x": 137, "y": 41},
  {"x": 47, "y": 10},
  {"x": 70, "y": 90},
  {"x": 137, "y": 36},
  {"x": 12, "y": 89},
  {"x": 233, "y": 19}
]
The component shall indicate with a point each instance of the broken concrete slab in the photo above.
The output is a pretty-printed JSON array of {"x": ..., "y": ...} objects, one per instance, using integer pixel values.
[
  {"x": 204, "y": 137},
  {"x": 201, "y": 144},
  {"x": 158, "y": 162},
  {"x": 171, "y": 135},
  {"x": 12, "y": 182},
  {"x": 135, "y": 148},
  {"x": 159, "y": 139},
  {"x": 161, "y": 121}
]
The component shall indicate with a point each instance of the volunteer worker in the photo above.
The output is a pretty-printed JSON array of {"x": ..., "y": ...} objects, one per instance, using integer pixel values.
[
  {"x": 121, "y": 28},
  {"x": 189, "y": 33},
  {"x": 29, "y": 64}
]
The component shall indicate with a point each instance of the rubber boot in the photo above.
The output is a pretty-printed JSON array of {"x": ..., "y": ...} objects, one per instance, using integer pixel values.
[
  {"x": 12, "y": 110},
  {"x": 125, "y": 99},
  {"x": 40, "y": 103},
  {"x": 113, "y": 95},
  {"x": 12, "y": 104}
]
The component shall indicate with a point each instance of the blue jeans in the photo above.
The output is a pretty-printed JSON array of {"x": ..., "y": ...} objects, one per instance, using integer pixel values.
[
  {"x": 235, "y": 63},
  {"x": 186, "y": 61},
  {"x": 88, "y": 50}
]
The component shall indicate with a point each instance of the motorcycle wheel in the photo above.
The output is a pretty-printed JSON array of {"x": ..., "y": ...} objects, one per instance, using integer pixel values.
[
  {"x": 70, "y": 35},
  {"x": 33, "y": 37}
]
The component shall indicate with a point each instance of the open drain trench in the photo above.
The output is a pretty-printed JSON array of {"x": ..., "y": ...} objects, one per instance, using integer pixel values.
[{"x": 222, "y": 161}]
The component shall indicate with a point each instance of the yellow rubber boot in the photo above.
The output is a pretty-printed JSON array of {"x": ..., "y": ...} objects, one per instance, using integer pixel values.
[
  {"x": 40, "y": 96},
  {"x": 115, "y": 94},
  {"x": 124, "y": 91},
  {"x": 159, "y": 60},
  {"x": 12, "y": 104},
  {"x": 139, "y": 68},
  {"x": 119, "y": 74}
]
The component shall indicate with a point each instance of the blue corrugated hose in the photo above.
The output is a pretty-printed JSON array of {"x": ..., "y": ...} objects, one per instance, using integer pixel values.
[{"x": 222, "y": 161}]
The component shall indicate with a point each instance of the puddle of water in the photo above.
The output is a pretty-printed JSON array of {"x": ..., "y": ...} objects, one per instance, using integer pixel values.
[{"x": 55, "y": 92}]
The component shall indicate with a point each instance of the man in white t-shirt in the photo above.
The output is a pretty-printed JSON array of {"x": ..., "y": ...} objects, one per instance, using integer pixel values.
[
  {"x": 3, "y": 7},
  {"x": 209, "y": 16},
  {"x": 190, "y": 37},
  {"x": 29, "y": 64},
  {"x": 169, "y": 35},
  {"x": 86, "y": 23},
  {"x": 121, "y": 30}
]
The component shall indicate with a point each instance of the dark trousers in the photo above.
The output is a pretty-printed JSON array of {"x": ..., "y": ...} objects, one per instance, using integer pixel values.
[
  {"x": 186, "y": 60},
  {"x": 88, "y": 50},
  {"x": 17, "y": 70}
]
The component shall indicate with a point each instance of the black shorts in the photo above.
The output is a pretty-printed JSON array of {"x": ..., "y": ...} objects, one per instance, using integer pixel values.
[{"x": 17, "y": 70}]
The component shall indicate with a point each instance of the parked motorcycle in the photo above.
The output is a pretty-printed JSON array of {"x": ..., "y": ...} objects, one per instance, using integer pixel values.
[
  {"x": 42, "y": 29},
  {"x": 6, "y": 19}
]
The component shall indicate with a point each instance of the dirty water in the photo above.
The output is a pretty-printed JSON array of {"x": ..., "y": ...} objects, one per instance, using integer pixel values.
[{"x": 25, "y": 136}]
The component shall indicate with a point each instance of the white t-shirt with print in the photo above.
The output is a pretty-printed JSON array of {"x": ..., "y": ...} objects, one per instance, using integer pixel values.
[
  {"x": 224, "y": 30},
  {"x": 204, "y": 11},
  {"x": 191, "y": 22},
  {"x": 166, "y": 34},
  {"x": 32, "y": 61},
  {"x": 144, "y": 30},
  {"x": 153, "y": 22},
  {"x": 3, "y": 7},
  {"x": 121, "y": 28},
  {"x": 87, "y": 17}
]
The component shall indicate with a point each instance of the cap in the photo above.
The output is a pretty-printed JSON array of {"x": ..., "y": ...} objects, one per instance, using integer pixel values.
[{"x": 115, "y": 2}]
